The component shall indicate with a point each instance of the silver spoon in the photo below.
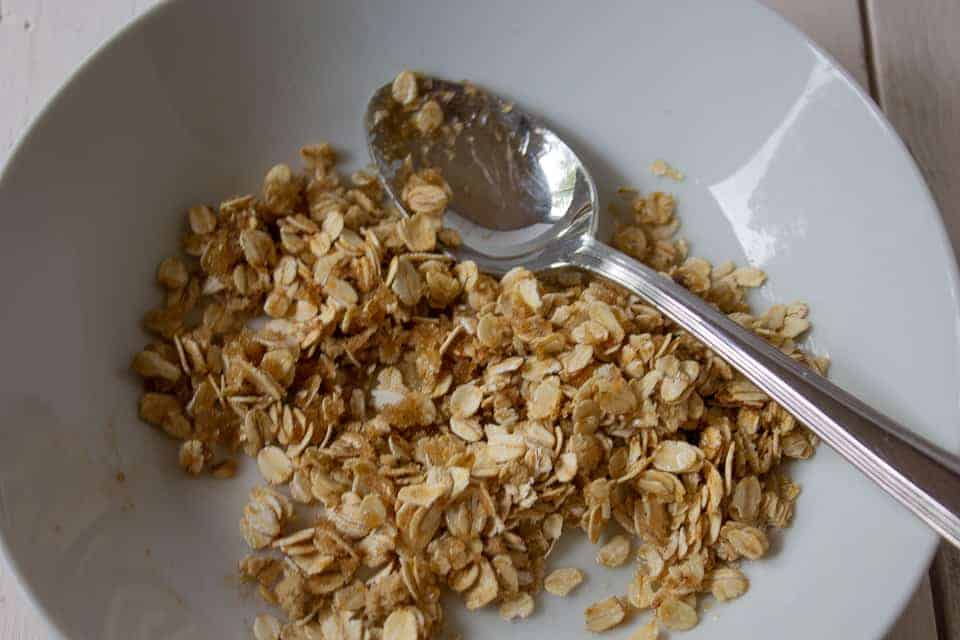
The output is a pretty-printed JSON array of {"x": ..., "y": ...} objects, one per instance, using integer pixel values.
[{"x": 522, "y": 197}]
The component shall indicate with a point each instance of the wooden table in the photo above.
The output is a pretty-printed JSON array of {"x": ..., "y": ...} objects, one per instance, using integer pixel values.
[{"x": 905, "y": 52}]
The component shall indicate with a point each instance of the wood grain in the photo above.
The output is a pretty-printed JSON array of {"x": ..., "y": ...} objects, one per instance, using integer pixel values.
[{"x": 916, "y": 62}]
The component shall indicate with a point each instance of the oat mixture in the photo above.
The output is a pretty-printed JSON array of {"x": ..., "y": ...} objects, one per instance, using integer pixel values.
[{"x": 420, "y": 426}]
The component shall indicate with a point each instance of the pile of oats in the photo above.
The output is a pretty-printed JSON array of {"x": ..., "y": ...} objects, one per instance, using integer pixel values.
[{"x": 452, "y": 425}]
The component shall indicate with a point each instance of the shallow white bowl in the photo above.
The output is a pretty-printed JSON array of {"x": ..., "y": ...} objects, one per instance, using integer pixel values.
[{"x": 789, "y": 167}]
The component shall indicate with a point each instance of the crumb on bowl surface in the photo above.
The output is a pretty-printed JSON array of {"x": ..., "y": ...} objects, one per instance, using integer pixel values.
[{"x": 662, "y": 168}]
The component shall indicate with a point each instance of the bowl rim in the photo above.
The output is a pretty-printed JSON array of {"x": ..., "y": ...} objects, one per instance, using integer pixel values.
[{"x": 104, "y": 48}]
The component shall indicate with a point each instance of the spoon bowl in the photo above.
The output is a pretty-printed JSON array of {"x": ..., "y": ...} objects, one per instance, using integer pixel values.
[{"x": 517, "y": 186}]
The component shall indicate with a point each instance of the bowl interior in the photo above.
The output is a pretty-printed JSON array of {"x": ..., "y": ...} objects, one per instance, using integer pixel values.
[{"x": 787, "y": 168}]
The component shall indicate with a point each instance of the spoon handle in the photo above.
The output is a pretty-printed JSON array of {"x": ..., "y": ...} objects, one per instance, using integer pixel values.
[{"x": 923, "y": 477}]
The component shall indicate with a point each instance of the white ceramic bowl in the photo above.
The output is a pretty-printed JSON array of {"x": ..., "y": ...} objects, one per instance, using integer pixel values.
[{"x": 788, "y": 167}]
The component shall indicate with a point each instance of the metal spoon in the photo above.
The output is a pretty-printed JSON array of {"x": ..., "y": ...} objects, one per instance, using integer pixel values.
[{"x": 522, "y": 197}]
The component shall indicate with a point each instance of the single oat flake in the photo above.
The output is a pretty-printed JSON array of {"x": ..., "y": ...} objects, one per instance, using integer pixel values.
[
  {"x": 604, "y": 615},
  {"x": 662, "y": 168},
  {"x": 562, "y": 581},
  {"x": 614, "y": 553}
]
